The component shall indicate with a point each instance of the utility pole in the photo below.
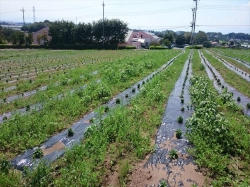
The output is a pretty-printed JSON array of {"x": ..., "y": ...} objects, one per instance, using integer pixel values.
[
  {"x": 23, "y": 25},
  {"x": 103, "y": 23},
  {"x": 193, "y": 22},
  {"x": 34, "y": 15}
]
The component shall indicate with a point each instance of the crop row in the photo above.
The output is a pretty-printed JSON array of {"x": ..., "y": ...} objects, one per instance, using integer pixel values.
[
  {"x": 230, "y": 77},
  {"x": 219, "y": 132},
  {"x": 242, "y": 55},
  {"x": 122, "y": 138}
]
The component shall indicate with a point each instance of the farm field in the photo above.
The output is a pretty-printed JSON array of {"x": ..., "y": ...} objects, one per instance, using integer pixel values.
[{"x": 69, "y": 84}]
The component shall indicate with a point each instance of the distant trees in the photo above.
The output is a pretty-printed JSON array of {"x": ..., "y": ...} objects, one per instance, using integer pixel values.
[
  {"x": 33, "y": 27},
  {"x": 200, "y": 37},
  {"x": 64, "y": 32},
  {"x": 207, "y": 44}
]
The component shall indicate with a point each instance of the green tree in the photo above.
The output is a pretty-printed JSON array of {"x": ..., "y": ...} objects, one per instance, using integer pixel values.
[
  {"x": 180, "y": 40},
  {"x": 200, "y": 37},
  {"x": 62, "y": 32},
  {"x": 83, "y": 33},
  {"x": 29, "y": 39},
  {"x": 207, "y": 44},
  {"x": 187, "y": 37},
  {"x": 115, "y": 31}
]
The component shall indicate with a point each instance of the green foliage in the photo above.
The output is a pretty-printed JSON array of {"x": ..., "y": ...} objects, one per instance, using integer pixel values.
[
  {"x": 207, "y": 44},
  {"x": 248, "y": 105},
  {"x": 200, "y": 37},
  {"x": 156, "y": 48},
  {"x": 178, "y": 133},
  {"x": 38, "y": 153},
  {"x": 4, "y": 165},
  {"x": 173, "y": 154},
  {"x": 163, "y": 183},
  {"x": 70, "y": 132},
  {"x": 180, "y": 119},
  {"x": 126, "y": 47}
]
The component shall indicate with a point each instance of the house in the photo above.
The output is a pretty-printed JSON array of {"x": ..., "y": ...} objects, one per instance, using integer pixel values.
[
  {"x": 41, "y": 36},
  {"x": 140, "y": 39}
]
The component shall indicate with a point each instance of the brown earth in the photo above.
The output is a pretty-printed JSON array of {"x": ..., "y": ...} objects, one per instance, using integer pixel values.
[{"x": 56, "y": 147}]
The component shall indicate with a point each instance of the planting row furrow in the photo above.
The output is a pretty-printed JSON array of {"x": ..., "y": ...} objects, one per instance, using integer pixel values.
[
  {"x": 171, "y": 157},
  {"x": 32, "y": 92},
  {"x": 247, "y": 64},
  {"x": 230, "y": 77},
  {"x": 65, "y": 140},
  {"x": 220, "y": 85},
  {"x": 236, "y": 70}
]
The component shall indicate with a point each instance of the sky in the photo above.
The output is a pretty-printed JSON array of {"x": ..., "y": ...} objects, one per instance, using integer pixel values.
[{"x": 223, "y": 16}]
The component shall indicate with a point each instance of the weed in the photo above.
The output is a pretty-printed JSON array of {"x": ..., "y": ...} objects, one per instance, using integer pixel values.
[
  {"x": 4, "y": 165},
  {"x": 106, "y": 109},
  {"x": 173, "y": 154},
  {"x": 163, "y": 183},
  {"x": 123, "y": 172}
]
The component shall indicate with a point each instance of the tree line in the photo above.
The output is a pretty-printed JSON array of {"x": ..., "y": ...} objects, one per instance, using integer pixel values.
[{"x": 111, "y": 31}]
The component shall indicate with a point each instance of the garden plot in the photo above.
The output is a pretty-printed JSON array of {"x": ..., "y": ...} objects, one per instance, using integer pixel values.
[
  {"x": 243, "y": 74},
  {"x": 57, "y": 115},
  {"x": 220, "y": 84},
  {"x": 55, "y": 146}
]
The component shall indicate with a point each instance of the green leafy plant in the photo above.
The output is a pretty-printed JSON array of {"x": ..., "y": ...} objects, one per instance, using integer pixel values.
[
  {"x": 133, "y": 90},
  {"x": 106, "y": 109},
  {"x": 178, "y": 133},
  {"x": 238, "y": 99},
  {"x": 180, "y": 119},
  {"x": 118, "y": 101},
  {"x": 126, "y": 96},
  {"x": 182, "y": 109},
  {"x": 4, "y": 165},
  {"x": 163, "y": 183},
  {"x": 70, "y": 132},
  {"x": 182, "y": 100},
  {"x": 173, "y": 154},
  {"x": 38, "y": 153},
  {"x": 248, "y": 105}
]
